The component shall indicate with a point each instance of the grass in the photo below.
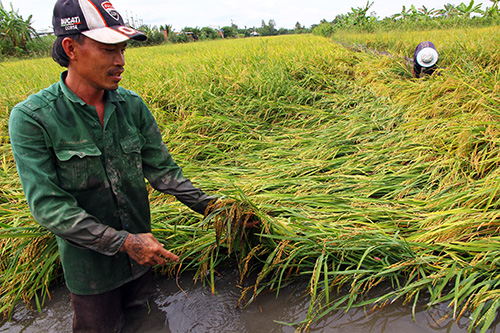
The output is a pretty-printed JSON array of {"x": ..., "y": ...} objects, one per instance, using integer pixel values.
[{"x": 360, "y": 174}]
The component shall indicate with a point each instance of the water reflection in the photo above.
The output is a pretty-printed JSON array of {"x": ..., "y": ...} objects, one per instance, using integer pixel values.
[{"x": 188, "y": 307}]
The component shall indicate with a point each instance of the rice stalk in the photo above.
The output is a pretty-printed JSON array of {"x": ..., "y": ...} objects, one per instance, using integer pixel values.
[{"x": 360, "y": 176}]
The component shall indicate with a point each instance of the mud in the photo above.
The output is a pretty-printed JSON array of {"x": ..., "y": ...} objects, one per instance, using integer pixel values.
[{"x": 184, "y": 306}]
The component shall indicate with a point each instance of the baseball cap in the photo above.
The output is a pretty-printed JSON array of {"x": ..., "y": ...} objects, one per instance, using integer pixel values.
[{"x": 96, "y": 19}]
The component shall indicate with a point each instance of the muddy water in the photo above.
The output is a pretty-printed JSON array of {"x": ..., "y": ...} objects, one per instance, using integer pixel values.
[{"x": 188, "y": 307}]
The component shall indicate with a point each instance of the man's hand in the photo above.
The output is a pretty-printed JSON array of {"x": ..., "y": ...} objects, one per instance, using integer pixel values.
[
  {"x": 251, "y": 220},
  {"x": 252, "y": 224},
  {"x": 146, "y": 250}
]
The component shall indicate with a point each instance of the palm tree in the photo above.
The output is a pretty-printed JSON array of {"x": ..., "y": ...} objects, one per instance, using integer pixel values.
[
  {"x": 448, "y": 11},
  {"x": 15, "y": 30},
  {"x": 358, "y": 15},
  {"x": 427, "y": 13},
  {"x": 167, "y": 28},
  {"x": 492, "y": 11},
  {"x": 467, "y": 10},
  {"x": 403, "y": 15},
  {"x": 408, "y": 14}
]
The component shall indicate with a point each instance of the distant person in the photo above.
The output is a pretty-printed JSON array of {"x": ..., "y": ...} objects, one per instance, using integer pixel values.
[
  {"x": 425, "y": 59},
  {"x": 83, "y": 147}
]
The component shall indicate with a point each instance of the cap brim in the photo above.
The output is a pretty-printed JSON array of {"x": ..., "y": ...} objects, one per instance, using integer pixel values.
[{"x": 114, "y": 35}]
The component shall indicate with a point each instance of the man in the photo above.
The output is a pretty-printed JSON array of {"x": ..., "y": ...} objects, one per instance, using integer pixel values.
[
  {"x": 425, "y": 59},
  {"x": 83, "y": 147}
]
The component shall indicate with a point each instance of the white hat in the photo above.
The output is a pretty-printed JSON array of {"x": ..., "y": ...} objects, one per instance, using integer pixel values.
[{"x": 427, "y": 57}]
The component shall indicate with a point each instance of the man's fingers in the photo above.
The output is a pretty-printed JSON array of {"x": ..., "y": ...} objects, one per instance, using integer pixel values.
[
  {"x": 252, "y": 224},
  {"x": 168, "y": 255},
  {"x": 155, "y": 240},
  {"x": 158, "y": 260},
  {"x": 147, "y": 250}
]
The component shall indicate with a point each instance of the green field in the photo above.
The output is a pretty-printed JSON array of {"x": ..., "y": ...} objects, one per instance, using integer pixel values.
[{"x": 360, "y": 173}]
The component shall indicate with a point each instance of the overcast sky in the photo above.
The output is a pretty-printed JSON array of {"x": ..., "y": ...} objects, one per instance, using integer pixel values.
[{"x": 196, "y": 13}]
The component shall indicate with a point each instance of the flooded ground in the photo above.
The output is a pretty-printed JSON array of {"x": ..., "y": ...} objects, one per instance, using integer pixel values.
[{"x": 193, "y": 308}]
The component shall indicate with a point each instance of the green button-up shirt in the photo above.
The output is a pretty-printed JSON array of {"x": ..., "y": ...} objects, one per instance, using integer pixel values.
[{"x": 85, "y": 181}]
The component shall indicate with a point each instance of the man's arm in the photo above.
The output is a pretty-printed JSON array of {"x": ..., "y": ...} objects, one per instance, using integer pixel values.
[
  {"x": 163, "y": 173},
  {"x": 51, "y": 206}
]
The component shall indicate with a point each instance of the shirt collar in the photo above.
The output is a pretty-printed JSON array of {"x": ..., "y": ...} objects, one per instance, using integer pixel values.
[
  {"x": 111, "y": 95},
  {"x": 67, "y": 92}
]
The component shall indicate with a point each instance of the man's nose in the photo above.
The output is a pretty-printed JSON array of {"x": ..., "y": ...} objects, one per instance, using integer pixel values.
[{"x": 119, "y": 59}]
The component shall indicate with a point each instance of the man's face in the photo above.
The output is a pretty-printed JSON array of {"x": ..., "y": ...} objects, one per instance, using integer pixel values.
[{"x": 99, "y": 65}]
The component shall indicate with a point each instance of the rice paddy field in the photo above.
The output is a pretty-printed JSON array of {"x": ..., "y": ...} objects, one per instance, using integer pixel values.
[{"x": 360, "y": 174}]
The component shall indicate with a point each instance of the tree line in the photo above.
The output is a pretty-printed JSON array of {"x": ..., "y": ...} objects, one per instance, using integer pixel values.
[
  {"x": 165, "y": 33},
  {"x": 362, "y": 20},
  {"x": 19, "y": 39}
]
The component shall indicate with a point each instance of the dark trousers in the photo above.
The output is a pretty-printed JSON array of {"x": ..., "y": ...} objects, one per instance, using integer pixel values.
[{"x": 106, "y": 312}]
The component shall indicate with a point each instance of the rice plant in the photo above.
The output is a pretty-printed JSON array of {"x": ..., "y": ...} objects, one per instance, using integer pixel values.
[{"x": 358, "y": 173}]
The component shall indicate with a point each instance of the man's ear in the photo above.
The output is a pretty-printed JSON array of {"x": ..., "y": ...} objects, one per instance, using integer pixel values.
[{"x": 70, "y": 47}]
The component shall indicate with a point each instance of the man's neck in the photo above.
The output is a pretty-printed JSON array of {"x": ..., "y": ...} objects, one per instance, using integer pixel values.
[{"x": 87, "y": 93}]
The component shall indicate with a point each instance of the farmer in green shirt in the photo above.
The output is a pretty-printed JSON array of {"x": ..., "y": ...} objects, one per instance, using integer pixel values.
[{"x": 83, "y": 147}]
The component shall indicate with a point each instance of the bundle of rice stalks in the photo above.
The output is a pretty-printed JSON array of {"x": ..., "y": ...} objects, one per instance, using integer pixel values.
[
  {"x": 226, "y": 235},
  {"x": 232, "y": 220}
]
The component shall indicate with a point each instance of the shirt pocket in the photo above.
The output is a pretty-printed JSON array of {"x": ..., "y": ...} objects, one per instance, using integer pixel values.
[
  {"x": 132, "y": 147},
  {"x": 79, "y": 167}
]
